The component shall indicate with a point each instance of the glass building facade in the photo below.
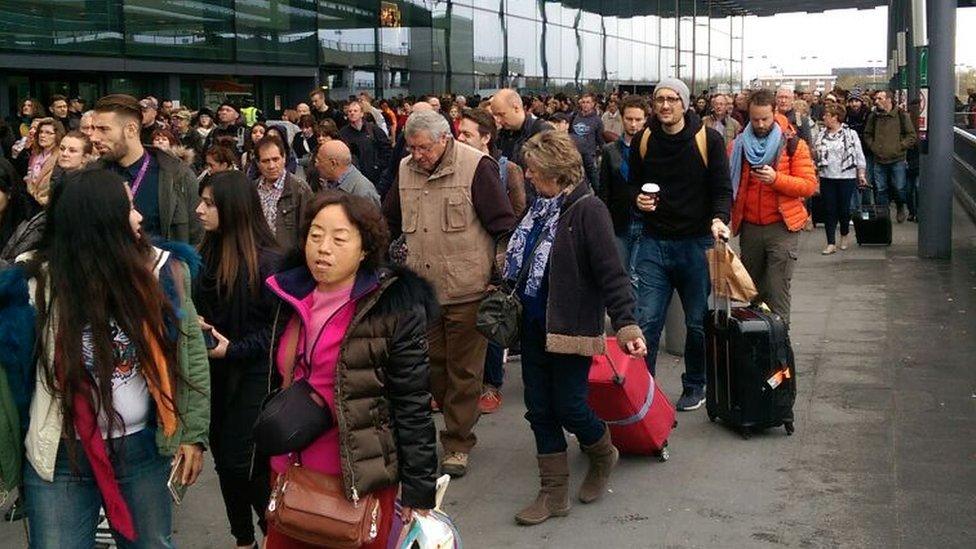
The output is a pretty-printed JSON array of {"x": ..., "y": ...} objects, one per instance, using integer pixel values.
[{"x": 275, "y": 50}]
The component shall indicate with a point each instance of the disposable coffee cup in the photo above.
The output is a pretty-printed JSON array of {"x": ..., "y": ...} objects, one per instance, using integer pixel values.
[{"x": 650, "y": 189}]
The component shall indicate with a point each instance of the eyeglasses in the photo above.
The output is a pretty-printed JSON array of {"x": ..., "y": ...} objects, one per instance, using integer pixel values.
[
  {"x": 660, "y": 101},
  {"x": 422, "y": 149}
]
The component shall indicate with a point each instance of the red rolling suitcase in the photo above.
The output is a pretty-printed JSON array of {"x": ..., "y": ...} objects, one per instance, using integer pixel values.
[{"x": 625, "y": 396}]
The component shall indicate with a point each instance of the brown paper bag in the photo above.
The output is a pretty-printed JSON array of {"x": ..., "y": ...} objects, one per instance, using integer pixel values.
[{"x": 729, "y": 276}]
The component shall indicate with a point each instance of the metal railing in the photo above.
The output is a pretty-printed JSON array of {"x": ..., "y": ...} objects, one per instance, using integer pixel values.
[{"x": 964, "y": 168}]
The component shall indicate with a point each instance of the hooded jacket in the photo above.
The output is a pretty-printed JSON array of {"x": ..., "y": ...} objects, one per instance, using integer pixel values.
[
  {"x": 382, "y": 389},
  {"x": 37, "y": 408}
]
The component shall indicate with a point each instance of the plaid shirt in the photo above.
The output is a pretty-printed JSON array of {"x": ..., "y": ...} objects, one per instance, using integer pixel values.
[{"x": 270, "y": 193}]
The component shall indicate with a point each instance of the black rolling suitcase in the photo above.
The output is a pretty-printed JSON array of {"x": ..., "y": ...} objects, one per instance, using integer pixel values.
[
  {"x": 750, "y": 370},
  {"x": 872, "y": 224}
]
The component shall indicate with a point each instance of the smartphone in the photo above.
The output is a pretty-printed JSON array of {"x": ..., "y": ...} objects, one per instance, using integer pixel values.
[
  {"x": 209, "y": 340},
  {"x": 758, "y": 166},
  {"x": 175, "y": 483}
]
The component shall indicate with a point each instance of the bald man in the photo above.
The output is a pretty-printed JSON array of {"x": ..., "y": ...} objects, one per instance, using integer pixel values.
[
  {"x": 334, "y": 162},
  {"x": 399, "y": 152},
  {"x": 516, "y": 126}
]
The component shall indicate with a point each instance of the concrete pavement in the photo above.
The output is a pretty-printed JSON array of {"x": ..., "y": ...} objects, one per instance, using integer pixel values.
[{"x": 884, "y": 453}]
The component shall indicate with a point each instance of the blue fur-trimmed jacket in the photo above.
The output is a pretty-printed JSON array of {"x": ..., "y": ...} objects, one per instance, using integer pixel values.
[{"x": 30, "y": 419}]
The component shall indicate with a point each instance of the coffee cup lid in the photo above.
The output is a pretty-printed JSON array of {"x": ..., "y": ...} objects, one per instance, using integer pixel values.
[{"x": 650, "y": 188}]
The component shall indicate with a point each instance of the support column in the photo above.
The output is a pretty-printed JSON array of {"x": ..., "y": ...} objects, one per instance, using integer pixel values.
[{"x": 935, "y": 200}]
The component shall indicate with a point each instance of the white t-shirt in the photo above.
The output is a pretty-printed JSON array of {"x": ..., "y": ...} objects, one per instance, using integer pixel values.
[{"x": 130, "y": 392}]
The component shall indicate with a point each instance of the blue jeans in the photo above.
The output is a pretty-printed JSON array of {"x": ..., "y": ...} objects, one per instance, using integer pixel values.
[
  {"x": 891, "y": 176},
  {"x": 663, "y": 266},
  {"x": 494, "y": 365},
  {"x": 555, "y": 394},
  {"x": 64, "y": 514}
]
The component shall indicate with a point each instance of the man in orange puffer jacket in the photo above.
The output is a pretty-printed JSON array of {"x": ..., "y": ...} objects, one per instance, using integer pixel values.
[{"x": 772, "y": 172}]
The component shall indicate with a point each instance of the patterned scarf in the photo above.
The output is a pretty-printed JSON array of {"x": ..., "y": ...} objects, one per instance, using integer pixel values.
[
  {"x": 849, "y": 159},
  {"x": 544, "y": 210}
]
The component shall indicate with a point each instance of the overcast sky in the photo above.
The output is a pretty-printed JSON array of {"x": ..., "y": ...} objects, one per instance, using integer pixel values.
[{"x": 838, "y": 38}]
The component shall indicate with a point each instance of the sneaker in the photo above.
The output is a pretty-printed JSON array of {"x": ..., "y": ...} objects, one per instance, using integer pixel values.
[
  {"x": 845, "y": 241},
  {"x": 490, "y": 401},
  {"x": 902, "y": 213},
  {"x": 691, "y": 399},
  {"x": 829, "y": 250},
  {"x": 455, "y": 464}
]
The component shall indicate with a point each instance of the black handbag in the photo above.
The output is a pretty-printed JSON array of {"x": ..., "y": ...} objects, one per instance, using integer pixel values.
[
  {"x": 291, "y": 419},
  {"x": 500, "y": 312}
]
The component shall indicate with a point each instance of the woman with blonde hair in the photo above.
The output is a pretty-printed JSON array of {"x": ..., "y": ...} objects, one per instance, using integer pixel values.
[{"x": 563, "y": 262}]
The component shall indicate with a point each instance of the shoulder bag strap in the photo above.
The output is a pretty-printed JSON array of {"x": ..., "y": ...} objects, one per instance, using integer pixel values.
[
  {"x": 645, "y": 137},
  {"x": 701, "y": 140},
  {"x": 291, "y": 354}
]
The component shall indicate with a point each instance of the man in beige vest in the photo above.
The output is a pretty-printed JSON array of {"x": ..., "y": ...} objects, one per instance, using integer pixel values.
[{"x": 449, "y": 203}]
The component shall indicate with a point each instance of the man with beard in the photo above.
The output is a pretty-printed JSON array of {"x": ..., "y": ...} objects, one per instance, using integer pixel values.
[
  {"x": 60, "y": 111},
  {"x": 677, "y": 224},
  {"x": 164, "y": 190},
  {"x": 773, "y": 172}
]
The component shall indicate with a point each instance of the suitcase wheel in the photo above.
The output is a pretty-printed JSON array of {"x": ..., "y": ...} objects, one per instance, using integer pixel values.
[
  {"x": 711, "y": 418},
  {"x": 789, "y": 428},
  {"x": 745, "y": 432},
  {"x": 664, "y": 454},
  {"x": 675, "y": 424}
]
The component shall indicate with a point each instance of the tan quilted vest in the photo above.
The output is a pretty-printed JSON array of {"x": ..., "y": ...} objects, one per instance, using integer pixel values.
[{"x": 446, "y": 243}]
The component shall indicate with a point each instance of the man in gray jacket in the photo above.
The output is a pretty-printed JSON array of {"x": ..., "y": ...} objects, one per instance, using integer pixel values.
[
  {"x": 334, "y": 162},
  {"x": 283, "y": 196}
]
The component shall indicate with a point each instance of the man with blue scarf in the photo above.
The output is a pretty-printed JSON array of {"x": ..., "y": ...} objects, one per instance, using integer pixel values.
[
  {"x": 772, "y": 172},
  {"x": 688, "y": 162}
]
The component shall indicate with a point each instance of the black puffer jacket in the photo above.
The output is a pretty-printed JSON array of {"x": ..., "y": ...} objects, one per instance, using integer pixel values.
[{"x": 386, "y": 431}]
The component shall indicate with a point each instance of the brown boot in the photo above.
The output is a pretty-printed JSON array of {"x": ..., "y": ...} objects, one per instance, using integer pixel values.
[
  {"x": 603, "y": 456},
  {"x": 553, "y": 498}
]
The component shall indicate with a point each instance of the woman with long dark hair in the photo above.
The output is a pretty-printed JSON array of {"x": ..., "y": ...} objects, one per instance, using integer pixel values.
[
  {"x": 16, "y": 206},
  {"x": 107, "y": 366},
  {"x": 238, "y": 254}
]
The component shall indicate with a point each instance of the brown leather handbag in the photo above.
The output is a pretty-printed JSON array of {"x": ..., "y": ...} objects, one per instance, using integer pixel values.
[{"x": 309, "y": 506}]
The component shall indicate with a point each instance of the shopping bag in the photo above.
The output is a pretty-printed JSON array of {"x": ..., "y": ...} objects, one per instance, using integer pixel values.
[
  {"x": 434, "y": 531},
  {"x": 729, "y": 276}
]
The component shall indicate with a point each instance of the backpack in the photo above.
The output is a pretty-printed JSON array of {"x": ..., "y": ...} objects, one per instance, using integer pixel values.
[{"x": 701, "y": 142}]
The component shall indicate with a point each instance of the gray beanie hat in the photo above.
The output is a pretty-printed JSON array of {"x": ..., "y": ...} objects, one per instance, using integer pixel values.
[{"x": 678, "y": 87}]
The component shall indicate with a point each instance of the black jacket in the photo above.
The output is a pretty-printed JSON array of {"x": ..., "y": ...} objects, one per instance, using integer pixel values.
[
  {"x": 691, "y": 194},
  {"x": 386, "y": 430},
  {"x": 510, "y": 141},
  {"x": 371, "y": 145},
  {"x": 586, "y": 279},
  {"x": 614, "y": 190},
  {"x": 238, "y": 382}
]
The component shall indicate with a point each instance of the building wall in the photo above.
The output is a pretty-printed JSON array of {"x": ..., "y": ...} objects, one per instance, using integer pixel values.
[{"x": 461, "y": 46}]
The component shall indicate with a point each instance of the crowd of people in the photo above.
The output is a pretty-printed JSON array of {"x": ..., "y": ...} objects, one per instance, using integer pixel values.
[{"x": 167, "y": 271}]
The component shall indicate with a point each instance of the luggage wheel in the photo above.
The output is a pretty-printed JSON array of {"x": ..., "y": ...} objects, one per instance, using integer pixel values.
[
  {"x": 789, "y": 428},
  {"x": 664, "y": 455},
  {"x": 675, "y": 424},
  {"x": 711, "y": 418},
  {"x": 746, "y": 433}
]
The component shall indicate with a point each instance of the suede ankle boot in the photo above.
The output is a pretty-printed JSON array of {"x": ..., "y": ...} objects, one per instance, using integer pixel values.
[
  {"x": 553, "y": 498},
  {"x": 603, "y": 456}
]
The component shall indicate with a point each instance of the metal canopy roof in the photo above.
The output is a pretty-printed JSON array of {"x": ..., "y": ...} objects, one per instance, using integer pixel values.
[{"x": 724, "y": 8}]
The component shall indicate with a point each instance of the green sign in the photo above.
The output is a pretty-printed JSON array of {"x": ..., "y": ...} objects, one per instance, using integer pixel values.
[
  {"x": 903, "y": 78},
  {"x": 923, "y": 66}
]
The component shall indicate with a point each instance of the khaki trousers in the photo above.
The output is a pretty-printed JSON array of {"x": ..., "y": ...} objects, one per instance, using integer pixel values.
[
  {"x": 457, "y": 364},
  {"x": 769, "y": 253}
]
